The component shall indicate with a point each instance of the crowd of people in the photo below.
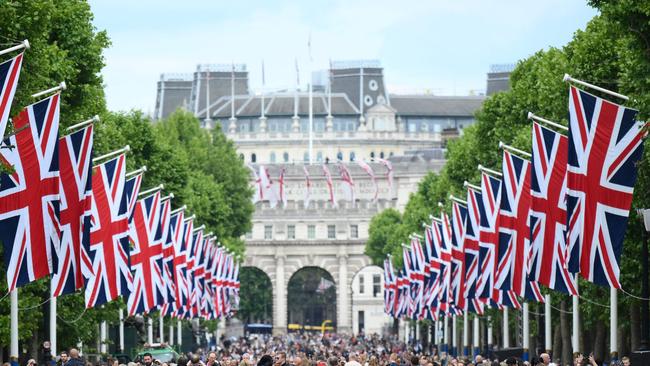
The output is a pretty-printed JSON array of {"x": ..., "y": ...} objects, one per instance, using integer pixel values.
[{"x": 319, "y": 350}]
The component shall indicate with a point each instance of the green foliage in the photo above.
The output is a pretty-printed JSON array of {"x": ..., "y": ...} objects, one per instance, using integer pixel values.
[{"x": 256, "y": 301}]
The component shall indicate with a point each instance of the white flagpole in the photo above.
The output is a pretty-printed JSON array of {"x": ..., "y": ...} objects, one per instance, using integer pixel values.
[
  {"x": 476, "y": 340},
  {"x": 171, "y": 332},
  {"x": 489, "y": 333},
  {"x": 445, "y": 335},
  {"x": 24, "y": 44},
  {"x": 103, "y": 330},
  {"x": 179, "y": 333},
  {"x": 84, "y": 123},
  {"x": 548, "y": 336},
  {"x": 568, "y": 78},
  {"x": 13, "y": 351},
  {"x": 576, "y": 320},
  {"x": 506, "y": 329},
  {"x": 613, "y": 323},
  {"x": 55, "y": 89},
  {"x": 263, "y": 85},
  {"x": 161, "y": 329},
  {"x": 454, "y": 335},
  {"x": 121, "y": 330},
  {"x": 52, "y": 319},
  {"x": 526, "y": 331},
  {"x": 125, "y": 149},
  {"x": 149, "y": 330},
  {"x": 465, "y": 334}
]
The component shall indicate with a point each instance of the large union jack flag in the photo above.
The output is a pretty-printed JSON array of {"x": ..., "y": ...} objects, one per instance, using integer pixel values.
[
  {"x": 9, "y": 73},
  {"x": 548, "y": 263},
  {"x": 514, "y": 232},
  {"x": 390, "y": 287},
  {"x": 146, "y": 253},
  {"x": 183, "y": 264},
  {"x": 75, "y": 158},
  {"x": 605, "y": 144},
  {"x": 471, "y": 250},
  {"x": 489, "y": 239},
  {"x": 458, "y": 221},
  {"x": 106, "y": 259},
  {"x": 29, "y": 196}
]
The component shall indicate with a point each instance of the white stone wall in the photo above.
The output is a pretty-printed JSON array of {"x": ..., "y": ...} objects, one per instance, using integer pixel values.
[{"x": 372, "y": 305}]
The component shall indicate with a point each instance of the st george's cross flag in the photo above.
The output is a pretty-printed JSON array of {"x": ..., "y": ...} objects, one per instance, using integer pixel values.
[
  {"x": 9, "y": 74},
  {"x": 75, "y": 163},
  {"x": 548, "y": 262},
  {"x": 605, "y": 144},
  {"x": 146, "y": 253},
  {"x": 106, "y": 260},
  {"x": 29, "y": 196},
  {"x": 514, "y": 231}
]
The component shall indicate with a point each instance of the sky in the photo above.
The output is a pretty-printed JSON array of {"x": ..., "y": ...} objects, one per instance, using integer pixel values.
[{"x": 444, "y": 47}]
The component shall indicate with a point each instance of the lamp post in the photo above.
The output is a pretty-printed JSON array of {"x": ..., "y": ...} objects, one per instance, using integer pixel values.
[{"x": 645, "y": 291}]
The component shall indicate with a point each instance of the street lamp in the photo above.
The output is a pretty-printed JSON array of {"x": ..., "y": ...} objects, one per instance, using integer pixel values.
[{"x": 645, "y": 291}]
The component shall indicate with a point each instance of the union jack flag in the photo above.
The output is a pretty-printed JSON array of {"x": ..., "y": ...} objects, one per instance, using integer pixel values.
[
  {"x": 9, "y": 73},
  {"x": 514, "y": 232},
  {"x": 432, "y": 271},
  {"x": 471, "y": 250},
  {"x": 489, "y": 239},
  {"x": 29, "y": 196},
  {"x": 75, "y": 158},
  {"x": 183, "y": 263},
  {"x": 106, "y": 259},
  {"x": 548, "y": 264},
  {"x": 173, "y": 236},
  {"x": 390, "y": 287},
  {"x": 195, "y": 272},
  {"x": 146, "y": 252},
  {"x": 605, "y": 144},
  {"x": 458, "y": 223},
  {"x": 444, "y": 250},
  {"x": 131, "y": 190}
]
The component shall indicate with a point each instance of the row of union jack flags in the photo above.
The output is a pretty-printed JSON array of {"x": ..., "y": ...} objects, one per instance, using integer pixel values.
[
  {"x": 546, "y": 217},
  {"x": 85, "y": 227}
]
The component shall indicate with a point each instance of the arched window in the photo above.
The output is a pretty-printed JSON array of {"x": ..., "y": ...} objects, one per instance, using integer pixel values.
[
  {"x": 391, "y": 154},
  {"x": 372, "y": 155},
  {"x": 241, "y": 157},
  {"x": 272, "y": 157},
  {"x": 339, "y": 156},
  {"x": 352, "y": 156},
  {"x": 285, "y": 157},
  {"x": 319, "y": 156},
  {"x": 253, "y": 158},
  {"x": 381, "y": 155}
]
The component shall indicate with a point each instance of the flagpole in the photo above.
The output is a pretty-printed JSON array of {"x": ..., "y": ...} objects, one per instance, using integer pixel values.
[
  {"x": 161, "y": 328},
  {"x": 489, "y": 335},
  {"x": 84, "y": 123},
  {"x": 506, "y": 328},
  {"x": 445, "y": 334},
  {"x": 103, "y": 330},
  {"x": 311, "y": 108},
  {"x": 24, "y": 44},
  {"x": 179, "y": 333},
  {"x": 152, "y": 190},
  {"x": 136, "y": 172},
  {"x": 477, "y": 338},
  {"x": 465, "y": 334},
  {"x": 125, "y": 149},
  {"x": 149, "y": 330},
  {"x": 568, "y": 78},
  {"x": 13, "y": 351},
  {"x": 57, "y": 88},
  {"x": 171, "y": 332},
  {"x": 613, "y": 323},
  {"x": 454, "y": 336},
  {"x": 121, "y": 330},
  {"x": 545, "y": 121},
  {"x": 526, "y": 331},
  {"x": 576, "y": 319},
  {"x": 548, "y": 336},
  {"x": 52, "y": 319}
]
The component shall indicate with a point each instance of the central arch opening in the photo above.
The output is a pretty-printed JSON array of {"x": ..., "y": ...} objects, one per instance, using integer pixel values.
[{"x": 311, "y": 300}]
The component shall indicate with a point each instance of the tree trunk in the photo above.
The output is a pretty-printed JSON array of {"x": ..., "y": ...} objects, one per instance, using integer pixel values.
[
  {"x": 566, "y": 334},
  {"x": 599, "y": 349},
  {"x": 635, "y": 326}
]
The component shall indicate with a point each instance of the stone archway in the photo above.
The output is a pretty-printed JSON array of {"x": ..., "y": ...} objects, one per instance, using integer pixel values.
[
  {"x": 256, "y": 296},
  {"x": 311, "y": 297}
]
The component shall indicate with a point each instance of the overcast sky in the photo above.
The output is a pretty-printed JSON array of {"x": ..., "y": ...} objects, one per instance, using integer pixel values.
[{"x": 445, "y": 47}]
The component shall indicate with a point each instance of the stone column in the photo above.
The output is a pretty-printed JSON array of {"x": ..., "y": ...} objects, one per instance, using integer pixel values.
[
  {"x": 343, "y": 323},
  {"x": 280, "y": 300}
]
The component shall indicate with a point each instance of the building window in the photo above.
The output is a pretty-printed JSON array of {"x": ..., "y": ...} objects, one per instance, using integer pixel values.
[
  {"x": 272, "y": 157},
  {"x": 285, "y": 157},
  {"x": 381, "y": 155},
  {"x": 253, "y": 158},
  {"x": 352, "y": 156},
  {"x": 268, "y": 232},
  {"x": 311, "y": 232},
  {"x": 291, "y": 231},
  {"x": 354, "y": 231},
  {"x": 362, "y": 287},
  {"x": 331, "y": 231},
  {"x": 376, "y": 285},
  {"x": 339, "y": 156},
  {"x": 372, "y": 155}
]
